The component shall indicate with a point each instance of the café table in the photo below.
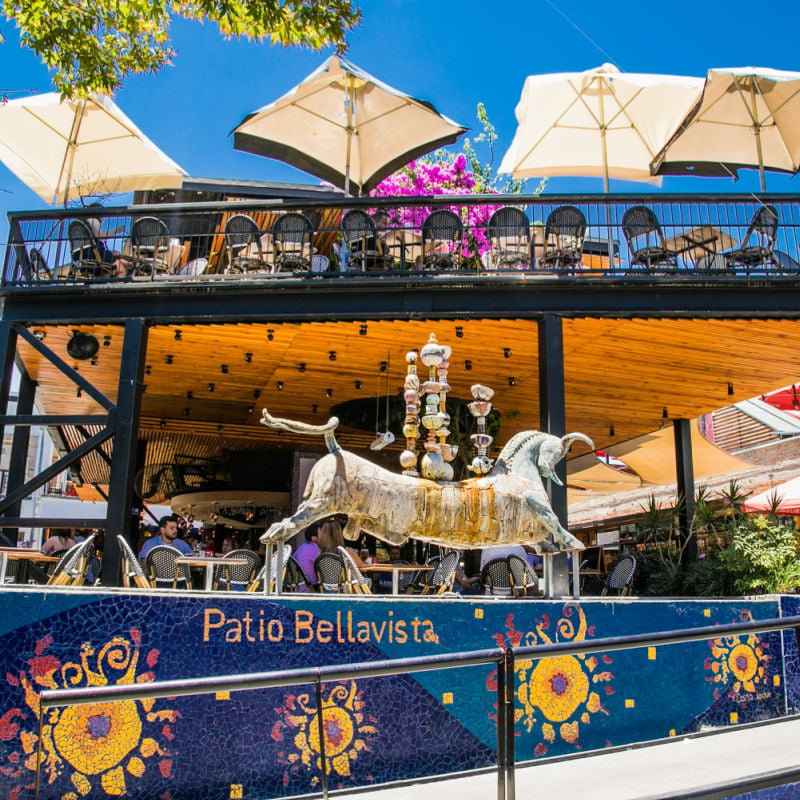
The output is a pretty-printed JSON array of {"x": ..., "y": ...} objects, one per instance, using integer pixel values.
[
  {"x": 699, "y": 242},
  {"x": 208, "y": 563},
  {"x": 396, "y": 569},
  {"x": 21, "y": 554}
]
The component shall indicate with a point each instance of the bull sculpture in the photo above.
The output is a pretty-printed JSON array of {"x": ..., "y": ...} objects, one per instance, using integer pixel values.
[{"x": 509, "y": 505}]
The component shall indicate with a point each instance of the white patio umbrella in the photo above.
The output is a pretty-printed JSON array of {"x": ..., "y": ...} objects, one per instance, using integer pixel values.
[
  {"x": 747, "y": 117},
  {"x": 65, "y": 149},
  {"x": 599, "y": 123},
  {"x": 346, "y": 127}
]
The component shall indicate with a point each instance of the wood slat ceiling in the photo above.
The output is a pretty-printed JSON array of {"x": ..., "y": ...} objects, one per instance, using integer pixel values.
[{"x": 619, "y": 373}]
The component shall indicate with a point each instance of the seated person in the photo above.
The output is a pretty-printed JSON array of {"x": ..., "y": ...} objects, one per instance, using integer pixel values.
[
  {"x": 60, "y": 539},
  {"x": 383, "y": 582},
  {"x": 167, "y": 534},
  {"x": 306, "y": 554},
  {"x": 120, "y": 263}
]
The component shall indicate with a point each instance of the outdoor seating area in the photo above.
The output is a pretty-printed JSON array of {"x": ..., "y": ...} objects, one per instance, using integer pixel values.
[{"x": 734, "y": 237}]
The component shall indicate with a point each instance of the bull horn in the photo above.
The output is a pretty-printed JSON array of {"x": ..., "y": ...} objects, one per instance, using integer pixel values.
[{"x": 566, "y": 441}]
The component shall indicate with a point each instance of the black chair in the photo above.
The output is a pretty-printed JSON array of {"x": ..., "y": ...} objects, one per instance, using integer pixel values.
[
  {"x": 442, "y": 240},
  {"x": 90, "y": 257},
  {"x": 360, "y": 239},
  {"x": 642, "y": 232},
  {"x": 417, "y": 581},
  {"x": 150, "y": 242},
  {"x": 620, "y": 577},
  {"x": 441, "y": 579},
  {"x": 356, "y": 583},
  {"x": 564, "y": 232},
  {"x": 132, "y": 572},
  {"x": 164, "y": 572},
  {"x": 239, "y": 577},
  {"x": 38, "y": 268},
  {"x": 758, "y": 245},
  {"x": 330, "y": 571},
  {"x": 245, "y": 251},
  {"x": 524, "y": 581},
  {"x": 509, "y": 235},
  {"x": 295, "y": 577},
  {"x": 496, "y": 578},
  {"x": 291, "y": 235}
]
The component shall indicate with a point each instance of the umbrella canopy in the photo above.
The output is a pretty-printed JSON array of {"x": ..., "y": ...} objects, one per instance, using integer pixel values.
[
  {"x": 65, "y": 149},
  {"x": 747, "y": 117},
  {"x": 598, "y": 123},
  {"x": 346, "y": 127},
  {"x": 788, "y": 495}
]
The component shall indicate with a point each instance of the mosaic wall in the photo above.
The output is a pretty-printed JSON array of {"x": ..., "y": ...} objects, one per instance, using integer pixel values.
[{"x": 263, "y": 744}]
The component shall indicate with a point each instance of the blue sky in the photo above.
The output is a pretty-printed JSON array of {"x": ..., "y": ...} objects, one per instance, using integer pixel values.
[{"x": 454, "y": 54}]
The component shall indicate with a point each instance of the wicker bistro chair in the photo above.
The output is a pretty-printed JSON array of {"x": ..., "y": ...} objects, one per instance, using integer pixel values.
[
  {"x": 758, "y": 244},
  {"x": 331, "y": 573},
  {"x": 295, "y": 577},
  {"x": 63, "y": 570},
  {"x": 150, "y": 245},
  {"x": 356, "y": 582},
  {"x": 525, "y": 582},
  {"x": 257, "y": 584},
  {"x": 245, "y": 250},
  {"x": 164, "y": 572},
  {"x": 620, "y": 578},
  {"x": 441, "y": 579},
  {"x": 38, "y": 269},
  {"x": 642, "y": 232},
  {"x": 496, "y": 578},
  {"x": 417, "y": 581},
  {"x": 90, "y": 258},
  {"x": 291, "y": 236},
  {"x": 509, "y": 234},
  {"x": 360, "y": 238},
  {"x": 564, "y": 232},
  {"x": 132, "y": 572},
  {"x": 442, "y": 240},
  {"x": 234, "y": 576}
]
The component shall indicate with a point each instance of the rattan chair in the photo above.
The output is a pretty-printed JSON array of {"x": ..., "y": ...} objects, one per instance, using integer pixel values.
[
  {"x": 291, "y": 235},
  {"x": 164, "y": 572},
  {"x": 620, "y": 578},
  {"x": 90, "y": 258},
  {"x": 564, "y": 232},
  {"x": 331, "y": 573},
  {"x": 441, "y": 579},
  {"x": 496, "y": 578},
  {"x": 132, "y": 572},
  {"x": 61, "y": 574},
  {"x": 245, "y": 251},
  {"x": 295, "y": 577},
  {"x": 509, "y": 235},
  {"x": 417, "y": 581},
  {"x": 236, "y": 577},
  {"x": 355, "y": 582},
  {"x": 79, "y": 570},
  {"x": 38, "y": 267},
  {"x": 525, "y": 582},
  {"x": 360, "y": 238},
  {"x": 442, "y": 240},
  {"x": 150, "y": 245},
  {"x": 282, "y": 554},
  {"x": 758, "y": 245},
  {"x": 642, "y": 232}
]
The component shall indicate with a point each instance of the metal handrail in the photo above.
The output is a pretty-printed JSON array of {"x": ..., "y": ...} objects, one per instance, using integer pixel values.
[{"x": 504, "y": 658}]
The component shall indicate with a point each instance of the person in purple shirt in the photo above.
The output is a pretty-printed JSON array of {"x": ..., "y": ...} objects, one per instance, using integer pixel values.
[{"x": 306, "y": 555}]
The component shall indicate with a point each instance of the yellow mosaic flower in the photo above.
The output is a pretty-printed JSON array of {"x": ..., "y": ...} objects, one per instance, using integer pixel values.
[{"x": 558, "y": 686}]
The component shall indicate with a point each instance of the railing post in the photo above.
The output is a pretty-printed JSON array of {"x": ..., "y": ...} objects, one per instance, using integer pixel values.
[
  {"x": 321, "y": 723},
  {"x": 501, "y": 729},
  {"x": 508, "y": 658},
  {"x": 39, "y": 755}
]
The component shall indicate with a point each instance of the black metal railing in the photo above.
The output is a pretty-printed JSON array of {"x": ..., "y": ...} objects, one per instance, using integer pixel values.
[
  {"x": 503, "y": 658},
  {"x": 602, "y": 236}
]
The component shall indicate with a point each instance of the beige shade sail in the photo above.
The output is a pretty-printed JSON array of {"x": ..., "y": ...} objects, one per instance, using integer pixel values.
[
  {"x": 65, "y": 149},
  {"x": 747, "y": 117},
  {"x": 346, "y": 127},
  {"x": 599, "y": 123},
  {"x": 652, "y": 456}
]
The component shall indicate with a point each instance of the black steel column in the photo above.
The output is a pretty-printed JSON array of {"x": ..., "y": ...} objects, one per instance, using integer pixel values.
[
  {"x": 552, "y": 416},
  {"x": 125, "y": 425},
  {"x": 684, "y": 469},
  {"x": 18, "y": 459},
  {"x": 8, "y": 348}
]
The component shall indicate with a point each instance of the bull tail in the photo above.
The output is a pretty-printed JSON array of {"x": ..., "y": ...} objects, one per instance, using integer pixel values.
[
  {"x": 567, "y": 441},
  {"x": 293, "y": 426}
]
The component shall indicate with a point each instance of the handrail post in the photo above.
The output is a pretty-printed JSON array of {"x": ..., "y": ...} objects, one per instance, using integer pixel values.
[
  {"x": 39, "y": 755},
  {"x": 508, "y": 658},
  {"x": 501, "y": 729},
  {"x": 321, "y": 724}
]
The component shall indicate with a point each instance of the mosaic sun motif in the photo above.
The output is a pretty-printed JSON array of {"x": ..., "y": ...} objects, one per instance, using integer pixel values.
[
  {"x": 346, "y": 729},
  {"x": 738, "y": 661},
  {"x": 103, "y": 746},
  {"x": 556, "y": 695}
]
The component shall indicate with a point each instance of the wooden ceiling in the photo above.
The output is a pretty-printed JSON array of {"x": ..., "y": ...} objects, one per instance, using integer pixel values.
[{"x": 205, "y": 384}]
